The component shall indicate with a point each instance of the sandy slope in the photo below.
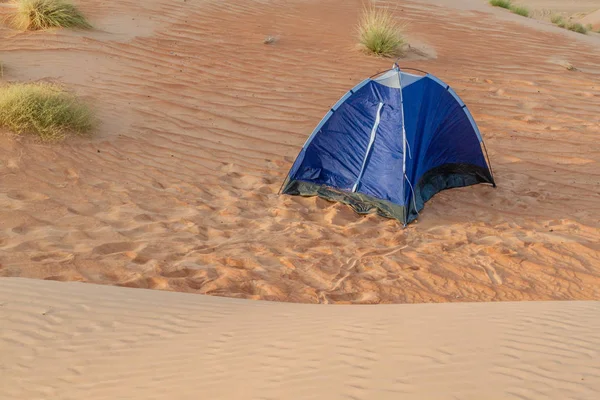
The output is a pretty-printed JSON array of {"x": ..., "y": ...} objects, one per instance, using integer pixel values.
[
  {"x": 77, "y": 341},
  {"x": 560, "y": 6},
  {"x": 201, "y": 121},
  {"x": 593, "y": 19}
]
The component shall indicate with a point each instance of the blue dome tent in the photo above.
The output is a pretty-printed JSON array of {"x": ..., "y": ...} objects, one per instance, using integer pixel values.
[{"x": 389, "y": 145}]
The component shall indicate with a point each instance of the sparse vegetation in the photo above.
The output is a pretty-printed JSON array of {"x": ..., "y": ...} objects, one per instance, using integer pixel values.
[
  {"x": 43, "y": 109},
  {"x": 519, "y": 10},
  {"x": 36, "y": 15},
  {"x": 380, "y": 34},
  {"x": 575, "y": 27},
  {"x": 562, "y": 23},
  {"x": 501, "y": 3},
  {"x": 558, "y": 20}
]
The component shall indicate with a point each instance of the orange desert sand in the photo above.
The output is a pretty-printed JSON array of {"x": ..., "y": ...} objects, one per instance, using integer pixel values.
[
  {"x": 177, "y": 190},
  {"x": 200, "y": 122},
  {"x": 81, "y": 341},
  {"x": 592, "y": 19}
]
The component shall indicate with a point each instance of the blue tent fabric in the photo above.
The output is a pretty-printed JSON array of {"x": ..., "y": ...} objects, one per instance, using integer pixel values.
[{"x": 390, "y": 144}]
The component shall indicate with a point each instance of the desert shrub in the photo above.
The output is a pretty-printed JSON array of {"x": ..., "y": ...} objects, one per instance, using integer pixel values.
[
  {"x": 577, "y": 27},
  {"x": 35, "y": 15},
  {"x": 380, "y": 34},
  {"x": 43, "y": 109},
  {"x": 519, "y": 10},
  {"x": 501, "y": 3}
]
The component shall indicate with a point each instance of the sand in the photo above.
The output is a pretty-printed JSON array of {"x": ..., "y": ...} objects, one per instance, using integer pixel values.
[
  {"x": 80, "y": 341},
  {"x": 177, "y": 191},
  {"x": 593, "y": 19},
  {"x": 200, "y": 122},
  {"x": 569, "y": 7}
]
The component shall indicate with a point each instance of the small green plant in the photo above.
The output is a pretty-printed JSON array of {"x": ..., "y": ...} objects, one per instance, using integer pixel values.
[
  {"x": 519, "y": 10},
  {"x": 501, "y": 3},
  {"x": 577, "y": 27},
  {"x": 380, "y": 34},
  {"x": 36, "y": 15},
  {"x": 43, "y": 109}
]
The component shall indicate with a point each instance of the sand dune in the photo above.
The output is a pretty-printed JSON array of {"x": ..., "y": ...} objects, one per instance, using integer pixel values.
[
  {"x": 201, "y": 121},
  {"x": 560, "y": 6},
  {"x": 593, "y": 19},
  {"x": 73, "y": 341}
]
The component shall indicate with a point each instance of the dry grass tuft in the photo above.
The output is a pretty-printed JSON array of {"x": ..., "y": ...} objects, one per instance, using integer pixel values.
[
  {"x": 501, "y": 3},
  {"x": 568, "y": 66},
  {"x": 575, "y": 27},
  {"x": 380, "y": 34},
  {"x": 520, "y": 10},
  {"x": 44, "y": 110},
  {"x": 36, "y": 15},
  {"x": 557, "y": 20}
]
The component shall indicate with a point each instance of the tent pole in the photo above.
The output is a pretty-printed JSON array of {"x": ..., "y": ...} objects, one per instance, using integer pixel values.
[
  {"x": 404, "y": 143},
  {"x": 403, "y": 138}
]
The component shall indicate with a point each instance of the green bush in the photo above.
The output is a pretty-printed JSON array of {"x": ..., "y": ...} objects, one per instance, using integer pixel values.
[
  {"x": 577, "y": 27},
  {"x": 35, "y": 15},
  {"x": 43, "y": 109},
  {"x": 380, "y": 34},
  {"x": 523, "y": 11},
  {"x": 520, "y": 10},
  {"x": 501, "y": 3}
]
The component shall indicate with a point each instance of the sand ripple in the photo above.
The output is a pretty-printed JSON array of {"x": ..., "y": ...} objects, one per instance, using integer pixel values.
[{"x": 201, "y": 122}]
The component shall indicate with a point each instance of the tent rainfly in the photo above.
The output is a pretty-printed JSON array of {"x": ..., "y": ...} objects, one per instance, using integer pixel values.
[{"x": 389, "y": 145}]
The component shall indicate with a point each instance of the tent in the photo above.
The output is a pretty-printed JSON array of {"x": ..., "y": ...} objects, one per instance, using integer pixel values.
[{"x": 389, "y": 145}]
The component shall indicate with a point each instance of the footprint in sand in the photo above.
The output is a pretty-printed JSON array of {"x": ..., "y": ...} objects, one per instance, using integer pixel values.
[
  {"x": 117, "y": 247},
  {"x": 25, "y": 196},
  {"x": 158, "y": 185},
  {"x": 144, "y": 218},
  {"x": 54, "y": 257},
  {"x": 23, "y": 229}
]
